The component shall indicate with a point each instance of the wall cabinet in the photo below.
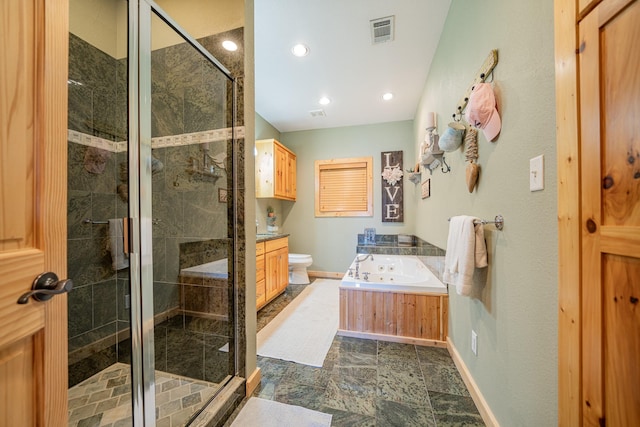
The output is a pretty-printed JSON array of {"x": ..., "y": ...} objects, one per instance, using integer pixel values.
[
  {"x": 275, "y": 170},
  {"x": 272, "y": 270}
]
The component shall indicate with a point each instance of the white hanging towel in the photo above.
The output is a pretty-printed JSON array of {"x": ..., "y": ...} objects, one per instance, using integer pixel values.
[
  {"x": 119, "y": 259},
  {"x": 466, "y": 250}
]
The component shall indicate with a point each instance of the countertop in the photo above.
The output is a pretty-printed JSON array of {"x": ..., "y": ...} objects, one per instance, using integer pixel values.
[{"x": 263, "y": 237}]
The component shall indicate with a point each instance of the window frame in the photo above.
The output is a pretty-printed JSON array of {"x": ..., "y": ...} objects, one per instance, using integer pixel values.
[{"x": 346, "y": 164}]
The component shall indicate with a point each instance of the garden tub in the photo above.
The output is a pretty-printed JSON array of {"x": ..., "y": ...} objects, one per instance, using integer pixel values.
[{"x": 393, "y": 298}]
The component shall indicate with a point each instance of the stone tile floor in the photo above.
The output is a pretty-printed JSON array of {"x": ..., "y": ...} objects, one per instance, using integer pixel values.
[
  {"x": 369, "y": 383},
  {"x": 362, "y": 383},
  {"x": 105, "y": 399}
]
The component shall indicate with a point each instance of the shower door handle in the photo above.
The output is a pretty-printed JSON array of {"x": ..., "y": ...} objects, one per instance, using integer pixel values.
[{"x": 45, "y": 287}]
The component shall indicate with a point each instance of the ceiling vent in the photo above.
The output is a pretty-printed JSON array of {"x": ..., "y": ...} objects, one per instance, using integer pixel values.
[
  {"x": 382, "y": 29},
  {"x": 317, "y": 113}
]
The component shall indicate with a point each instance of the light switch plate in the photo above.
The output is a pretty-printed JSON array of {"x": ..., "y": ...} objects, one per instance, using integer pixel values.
[{"x": 536, "y": 173}]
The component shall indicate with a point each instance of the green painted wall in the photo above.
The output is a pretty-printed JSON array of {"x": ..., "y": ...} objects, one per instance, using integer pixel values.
[
  {"x": 265, "y": 130},
  {"x": 332, "y": 241},
  {"x": 516, "y": 314}
]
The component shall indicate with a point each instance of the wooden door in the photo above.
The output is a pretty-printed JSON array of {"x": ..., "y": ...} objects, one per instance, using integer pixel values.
[
  {"x": 33, "y": 204},
  {"x": 610, "y": 213}
]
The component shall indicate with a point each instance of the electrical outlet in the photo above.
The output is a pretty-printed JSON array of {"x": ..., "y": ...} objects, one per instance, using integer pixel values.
[
  {"x": 474, "y": 342},
  {"x": 536, "y": 173}
]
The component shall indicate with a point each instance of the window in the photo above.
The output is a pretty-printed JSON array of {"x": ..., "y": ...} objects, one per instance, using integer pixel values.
[{"x": 344, "y": 187}]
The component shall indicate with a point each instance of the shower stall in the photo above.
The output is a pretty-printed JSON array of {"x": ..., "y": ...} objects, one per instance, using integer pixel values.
[{"x": 155, "y": 136}]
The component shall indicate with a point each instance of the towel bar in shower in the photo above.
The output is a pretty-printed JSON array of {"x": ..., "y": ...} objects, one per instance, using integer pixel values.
[
  {"x": 498, "y": 221},
  {"x": 91, "y": 221}
]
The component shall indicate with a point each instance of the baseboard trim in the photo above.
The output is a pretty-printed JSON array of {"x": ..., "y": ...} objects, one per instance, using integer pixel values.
[
  {"x": 325, "y": 274},
  {"x": 253, "y": 381},
  {"x": 484, "y": 409},
  {"x": 392, "y": 338}
]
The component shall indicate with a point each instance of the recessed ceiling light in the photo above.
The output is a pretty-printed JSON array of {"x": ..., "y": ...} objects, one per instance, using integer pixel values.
[
  {"x": 300, "y": 50},
  {"x": 229, "y": 45},
  {"x": 387, "y": 96},
  {"x": 324, "y": 101}
]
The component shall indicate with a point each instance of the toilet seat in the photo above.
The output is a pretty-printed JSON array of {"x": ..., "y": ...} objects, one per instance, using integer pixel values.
[{"x": 300, "y": 259}]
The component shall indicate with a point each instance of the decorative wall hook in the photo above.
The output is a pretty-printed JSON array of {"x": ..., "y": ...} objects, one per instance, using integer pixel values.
[
  {"x": 485, "y": 70},
  {"x": 444, "y": 164}
]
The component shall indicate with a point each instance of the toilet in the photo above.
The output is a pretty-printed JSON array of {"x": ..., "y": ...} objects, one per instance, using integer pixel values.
[{"x": 298, "y": 264}]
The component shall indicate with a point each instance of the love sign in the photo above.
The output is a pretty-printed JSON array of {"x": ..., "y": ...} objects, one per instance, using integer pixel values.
[{"x": 392, "y": 187}]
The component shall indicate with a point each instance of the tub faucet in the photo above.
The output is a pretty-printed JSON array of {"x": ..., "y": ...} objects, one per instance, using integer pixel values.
[
  {"x": 358, "y": 261},
  {"x": 365, "y": 258}
]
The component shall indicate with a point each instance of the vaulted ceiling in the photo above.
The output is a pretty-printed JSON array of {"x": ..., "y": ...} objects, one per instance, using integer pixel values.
[{"x": 343, "y": 64}]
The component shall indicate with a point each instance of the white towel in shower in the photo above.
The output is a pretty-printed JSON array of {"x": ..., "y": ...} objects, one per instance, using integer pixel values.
[
  {"x": 466, "y": 250},
  {"x": 119, "y": 259}
]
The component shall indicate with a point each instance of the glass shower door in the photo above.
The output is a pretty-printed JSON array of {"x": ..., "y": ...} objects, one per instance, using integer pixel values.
[
  {"x": 99, "y": 335},
  {"x": 151, "y": 217},
  {"x": 192, "y": 106}
]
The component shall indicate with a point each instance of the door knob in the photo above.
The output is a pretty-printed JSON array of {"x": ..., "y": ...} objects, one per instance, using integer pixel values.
[{"x": 45, "y": 286}]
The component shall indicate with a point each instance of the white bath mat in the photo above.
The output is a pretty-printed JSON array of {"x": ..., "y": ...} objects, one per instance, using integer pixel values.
[
  {"x": 267, "y": 413},
  {"x": 304, "y": 330}
]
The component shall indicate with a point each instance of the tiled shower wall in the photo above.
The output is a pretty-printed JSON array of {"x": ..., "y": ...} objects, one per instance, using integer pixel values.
[
  {"x": 97, "y": 106},
  {"x": 189, "y": 95}
]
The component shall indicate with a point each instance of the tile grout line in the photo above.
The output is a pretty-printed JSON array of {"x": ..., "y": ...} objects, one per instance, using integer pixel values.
[{"x": 424, "y": 381}]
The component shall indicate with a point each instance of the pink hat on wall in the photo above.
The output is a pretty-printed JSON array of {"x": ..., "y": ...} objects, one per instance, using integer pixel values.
[{"x": 481, "y": 111}]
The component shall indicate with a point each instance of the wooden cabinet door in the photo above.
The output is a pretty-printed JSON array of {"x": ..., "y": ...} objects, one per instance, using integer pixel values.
[
  {"x": 260, "y": 281},
  {"x": 282, "y": 274},
  {"x": 610, "y": 203},
  {"x": 280, "y": 173},
  {"x": 291, "y": 176},
  {"x": 276, "y": 267},
  {"x": 33, "y": 205},
  {"x": 261, "y": 293},
  {"x": 271, "y": 262}
]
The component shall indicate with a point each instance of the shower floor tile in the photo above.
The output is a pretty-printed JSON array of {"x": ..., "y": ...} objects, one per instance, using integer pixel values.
[{"x": 105, "y": 398}]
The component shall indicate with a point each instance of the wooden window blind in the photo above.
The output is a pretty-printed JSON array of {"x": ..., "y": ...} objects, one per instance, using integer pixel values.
[{"x": 344, "y": 187}]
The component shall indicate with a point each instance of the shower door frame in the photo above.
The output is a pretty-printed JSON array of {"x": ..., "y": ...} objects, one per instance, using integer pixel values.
[{"x": 140, "y": 202}]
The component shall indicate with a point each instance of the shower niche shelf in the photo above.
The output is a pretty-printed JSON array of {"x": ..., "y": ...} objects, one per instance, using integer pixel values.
[
  {"x": 210, "y": 175},
  {"x": 204, "y": 171}
]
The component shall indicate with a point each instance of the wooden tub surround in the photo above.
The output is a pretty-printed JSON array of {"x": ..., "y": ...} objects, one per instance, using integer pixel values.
[{"x": 420, "y": 319}]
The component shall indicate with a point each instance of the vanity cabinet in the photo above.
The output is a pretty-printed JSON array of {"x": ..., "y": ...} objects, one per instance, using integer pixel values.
[
  {"x": 272, "y": 269},
  {"x": 275, "y": 170}
]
